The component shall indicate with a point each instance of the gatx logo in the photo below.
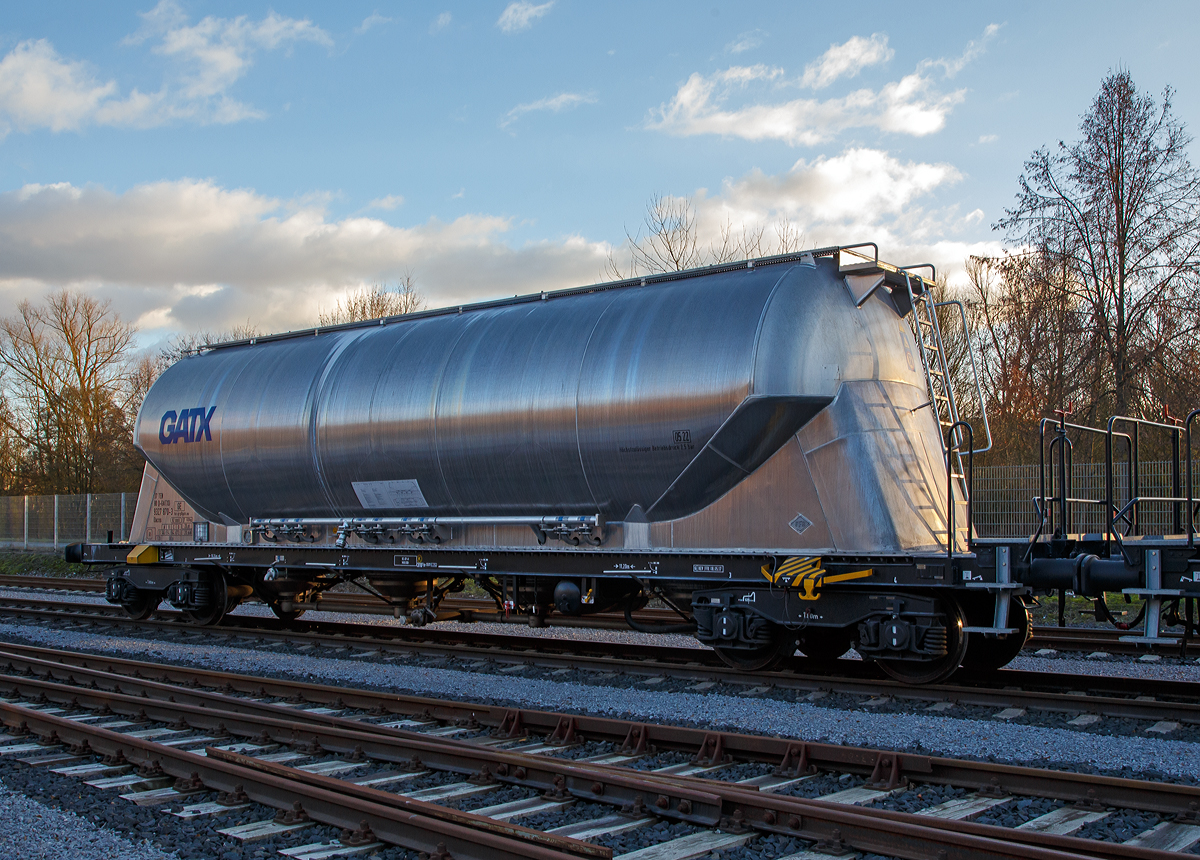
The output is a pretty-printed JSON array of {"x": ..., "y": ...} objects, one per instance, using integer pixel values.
[{"x": 187, "y": 425}]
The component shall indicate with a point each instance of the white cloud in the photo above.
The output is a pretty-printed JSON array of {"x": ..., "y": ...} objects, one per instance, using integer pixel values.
[
  {"x": 38, "y": 89},
  {"x": 390, "y": 202},
  {"x": 554, "y": 104},
  {"x": 41, "y": 89},
  {"x": 746, "y": 42},
  {"x": 441, "y": 22},
  {"x": 520, "y": 15},
  {"x": 851, "y": 190},
  {"x": 912, "y": 105},
  {"x": 976, "y": 47},
  {"x": 857, "y": 196},
  {"x": 189, "y": 254},
  {"x": 988, "y": 138},
  {"x": 372, "y": 20},
  {"x": 908, "y": 106},
  {"x": 846, "y": 60}
]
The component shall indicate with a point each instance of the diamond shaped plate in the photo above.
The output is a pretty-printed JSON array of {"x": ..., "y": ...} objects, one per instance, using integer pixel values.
[{"x": 800, "y": 523}]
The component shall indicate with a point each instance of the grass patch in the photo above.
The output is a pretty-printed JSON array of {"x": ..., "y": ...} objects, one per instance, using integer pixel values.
[
  {"x": 1080, "y": 611},
  {"x": 26, "y": 563}
]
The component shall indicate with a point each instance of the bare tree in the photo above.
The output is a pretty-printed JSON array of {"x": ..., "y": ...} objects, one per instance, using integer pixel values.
[
  {"x": 788, "y": 237},
  {"x": 183, "y": 345},
  {"x": 69, "y": 394},
  {"x": 1035, "y": 350},
  {"x": 669, "y": 241},
  {"x": 376, "y": 301},
  {"x": 1115, "y": 217}
]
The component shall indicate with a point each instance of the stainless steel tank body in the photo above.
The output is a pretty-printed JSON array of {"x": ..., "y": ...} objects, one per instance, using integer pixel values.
[{"x": 702, "y": 405}]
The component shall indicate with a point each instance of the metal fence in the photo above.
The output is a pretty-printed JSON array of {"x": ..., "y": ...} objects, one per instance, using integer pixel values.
[
  {"x": 1003, "y": 498},
  {"x": 1002, "y": 506},
  {"x": 49, "y": 522}
]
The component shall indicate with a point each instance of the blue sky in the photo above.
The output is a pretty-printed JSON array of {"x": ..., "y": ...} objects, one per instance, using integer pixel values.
[{"x": 207, "y": 164}]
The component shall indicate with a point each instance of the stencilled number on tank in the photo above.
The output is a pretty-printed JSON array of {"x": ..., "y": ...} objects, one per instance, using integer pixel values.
[
  {"x": 345, "y": 561},
  {"x": 231, "y": 555}
]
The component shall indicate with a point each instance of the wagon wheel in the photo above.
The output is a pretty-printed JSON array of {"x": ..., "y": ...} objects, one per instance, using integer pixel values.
[
  {"x": 767, "y": 656},
  {"x": 221, "y": 604},
  {"x": 934, "y": 671},
  {"x": 142, "y": 606}
]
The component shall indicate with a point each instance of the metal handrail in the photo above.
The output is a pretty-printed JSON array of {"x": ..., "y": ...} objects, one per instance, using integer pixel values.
[
  {"x": 943, "y": 369},
  {"x": 862, "y": 245},
  {"x": 951, "y": 447},
  {"x": 1044, "y": 504},
  {"x": 932, "y": 269},
  {"x": 1135, "y": 499},
  {"x": 987, "y": 430},
  {"x": 1191, "y": 494}
]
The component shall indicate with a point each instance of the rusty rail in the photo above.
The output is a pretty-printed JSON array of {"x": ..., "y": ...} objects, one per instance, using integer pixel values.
[
  {"x": 394, "y": 819},
  {"x": 405, "y": 822},
  {"x": 132, "y": 695}
]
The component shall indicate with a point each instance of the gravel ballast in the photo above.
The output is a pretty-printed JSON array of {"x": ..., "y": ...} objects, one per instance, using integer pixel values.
[
  {"x": 31, "y": 831},
  {"x": 939, "y": 735},
  {"x": 1170, "y": 668}
]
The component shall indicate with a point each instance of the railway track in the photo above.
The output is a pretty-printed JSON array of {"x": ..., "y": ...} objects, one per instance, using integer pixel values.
[
  {"x": 1067, "y": 639},
  {"x": 454, "y": 779},
  {"x": 1170, "y": 708}
]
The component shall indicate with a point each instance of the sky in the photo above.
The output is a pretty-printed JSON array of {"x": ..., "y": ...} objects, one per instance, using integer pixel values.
[{"x": 204, "y": 165}]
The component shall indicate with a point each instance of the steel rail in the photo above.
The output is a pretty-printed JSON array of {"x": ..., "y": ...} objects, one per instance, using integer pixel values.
[
  {"x": 133, "y": 679},
  {"x": 700, "y": 801},
  {"x": 886, "y": 831},
  {"x": 483, "y": 609},
  {"x": 403, "y": 821},
  {"x": 852, "y": 677}
]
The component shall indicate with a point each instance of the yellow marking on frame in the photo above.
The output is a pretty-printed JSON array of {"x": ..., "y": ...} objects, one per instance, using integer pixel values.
[
  {"x": 810, "y": 585},
  {"x": 791, "y": 568},
  {"x": 843, "y": 577},
  {"x": 142, "y": 554}
]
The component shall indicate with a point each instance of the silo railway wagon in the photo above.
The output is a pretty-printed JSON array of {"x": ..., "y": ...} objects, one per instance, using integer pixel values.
[{"x": 769, "y": 447}]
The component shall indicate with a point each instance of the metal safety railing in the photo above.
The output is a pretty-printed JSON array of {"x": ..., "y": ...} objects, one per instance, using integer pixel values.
[{"x": 1123, "y": 495}]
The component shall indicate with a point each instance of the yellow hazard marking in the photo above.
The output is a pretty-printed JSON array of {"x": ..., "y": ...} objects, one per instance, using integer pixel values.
[
  {"x": 843, "y": 577},
  {"x": 807, "y": 576},
  {"x": 793, "y": 567},
  {"x": 142, "y": 554}
]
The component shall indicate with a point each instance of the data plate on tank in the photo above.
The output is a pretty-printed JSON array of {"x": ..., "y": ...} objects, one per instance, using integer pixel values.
[
  {"x": 389, "y": 494},
  {"x": 800, "y": 524}
]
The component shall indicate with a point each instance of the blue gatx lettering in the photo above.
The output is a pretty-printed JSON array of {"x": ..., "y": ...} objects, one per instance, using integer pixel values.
[
  {"x": 166, "y": 428},
  {"x": 186, "y": 425},
  {"x": 203, "y": 422}
]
